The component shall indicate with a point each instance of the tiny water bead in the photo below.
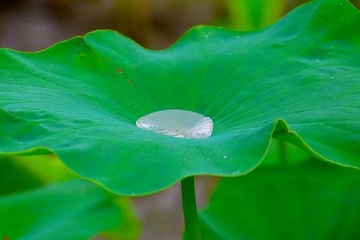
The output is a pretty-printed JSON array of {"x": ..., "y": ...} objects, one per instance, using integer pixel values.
[{"x": 177, "y": 123}]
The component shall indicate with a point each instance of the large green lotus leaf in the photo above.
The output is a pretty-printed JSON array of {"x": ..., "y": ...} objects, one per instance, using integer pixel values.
[
  {"x": 71, "y": 210},
  {"x": 293, "y": 202},
  {"x": 297, "y": 80}
]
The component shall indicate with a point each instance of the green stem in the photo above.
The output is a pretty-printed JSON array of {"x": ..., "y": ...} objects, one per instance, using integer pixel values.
[{"x": 189, "y": 209}]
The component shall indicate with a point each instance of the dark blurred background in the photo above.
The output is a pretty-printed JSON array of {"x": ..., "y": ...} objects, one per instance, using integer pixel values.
[{"x": 31, "y": 25}]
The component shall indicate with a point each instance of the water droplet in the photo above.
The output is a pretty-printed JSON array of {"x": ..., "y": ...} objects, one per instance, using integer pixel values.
[
  {"x": 177, "y": 123},
  {"x": 206, "y": 36},
  {"x": 317, "y": 60},
  {"x": 225, "y": 156}
]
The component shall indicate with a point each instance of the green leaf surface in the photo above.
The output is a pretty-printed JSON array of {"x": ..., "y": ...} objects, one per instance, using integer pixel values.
[
  {"x": 70, "y": 210},
  {"x": 314, "y": 200},
  {"x": 281, "y": 153},
  {"x": 297, "y": 80}
]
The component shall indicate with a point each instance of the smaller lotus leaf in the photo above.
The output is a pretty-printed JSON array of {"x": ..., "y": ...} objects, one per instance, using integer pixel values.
[
  {"x": 289, "y": 202},
  {"x": 68, "y": 210}
]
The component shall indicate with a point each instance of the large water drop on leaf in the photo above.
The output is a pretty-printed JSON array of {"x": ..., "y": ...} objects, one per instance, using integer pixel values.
[{"x": 177, "y": 123}]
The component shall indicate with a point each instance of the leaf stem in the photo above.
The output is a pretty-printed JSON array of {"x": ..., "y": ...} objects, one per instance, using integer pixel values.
[{"x": 192, "y": 230}]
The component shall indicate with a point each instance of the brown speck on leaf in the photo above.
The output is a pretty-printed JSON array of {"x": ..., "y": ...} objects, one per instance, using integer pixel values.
[
  {"x": 5, "y": 237},
  {"x": 118, "y": 70}
]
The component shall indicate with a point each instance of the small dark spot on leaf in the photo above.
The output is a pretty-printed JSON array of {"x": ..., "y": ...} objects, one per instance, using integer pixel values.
[
  {"x": 80, "y": 54},
  {"x": 118, "y": 70},
  {"x": 5, "y": 237}
]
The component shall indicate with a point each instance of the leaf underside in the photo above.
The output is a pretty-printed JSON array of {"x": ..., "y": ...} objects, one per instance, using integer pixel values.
[{"x": 297, "y": 80}]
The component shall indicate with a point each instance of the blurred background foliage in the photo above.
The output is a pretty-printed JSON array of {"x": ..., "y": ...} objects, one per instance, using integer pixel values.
[{"x": 31, "y": 25}]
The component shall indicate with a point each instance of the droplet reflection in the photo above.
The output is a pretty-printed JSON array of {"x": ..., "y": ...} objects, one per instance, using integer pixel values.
[{"x": 177, "y": 123}]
